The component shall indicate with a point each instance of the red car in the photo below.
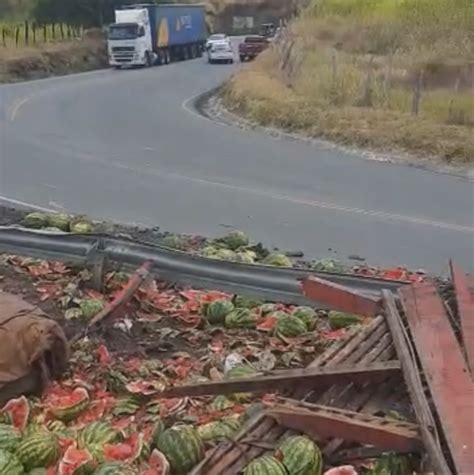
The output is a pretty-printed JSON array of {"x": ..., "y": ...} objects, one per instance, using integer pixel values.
[{"x": 252, "y": 47}]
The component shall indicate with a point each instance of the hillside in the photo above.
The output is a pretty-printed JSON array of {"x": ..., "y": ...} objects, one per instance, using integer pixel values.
[{"x": 385, "y": 74}]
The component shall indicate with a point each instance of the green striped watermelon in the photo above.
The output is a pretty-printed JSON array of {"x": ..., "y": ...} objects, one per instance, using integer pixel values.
[
  {"x": 240, "y": 301},
  {"x": 221, "y": 403},
  {"x": 128, "y": 451},
  {"x": 10, "y": 464},
  {"x": 99, "y": 433},
  {"x": 301, "y": 456},
  {"x": 114, "y": 468},
  {"x": 216, "y": 430},
  {"x": 217, "y": 311},
  {"x": 126, "y": 406},
  {"x": 69, "y": 407},
  {"x": 158, "y": 428},
  {"x": 267, "y": 309},
  {"x": 240, "y": 372},
  {"x": 40, "y": 449},
  {"x": 9, "y": 437},
  {"x": 182, "y": 447},
  {"x": 289, "y": 326},
  {"x": 265, "y": 465},
  {"x": 307, "y": 315},
  {"x": 338, "y": 320},
  {"x": 241, "y": 318},
  {"x": 39, "y": 471},
  {"x": 17, "y": 412}
]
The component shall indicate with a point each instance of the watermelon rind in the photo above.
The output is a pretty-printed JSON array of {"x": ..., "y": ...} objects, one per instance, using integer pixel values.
[
  {"x": 17, "y": 412},
  {"x": 217, "y": 311},
  {"x": 301, "y": 456},
  {"x": 183, "y": 448},
  {"x": 221, "y": 403},
  {"x": 241, "y": 301},
  {"x": 307, "y": 315},
  {"x": 114, "y": 468},
  {"x": 290, "y": 326},
  {"x": 265, "y": 465},
  {"x": 97, "y": 433},
  {"x": 40, "y": 449},
  {"x": 10, "y": 464},
  {"x": 241, "y": 318},
  {"x": 70, "y": 412},
  {"x": 9, "y": 437}
]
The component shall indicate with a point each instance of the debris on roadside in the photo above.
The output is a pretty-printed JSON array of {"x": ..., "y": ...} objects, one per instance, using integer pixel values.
[{"x": 169, "y": 379}]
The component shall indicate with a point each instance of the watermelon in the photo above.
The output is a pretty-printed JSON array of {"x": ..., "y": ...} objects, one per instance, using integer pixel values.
[
  {"x": 221, "y": 403},
  {"x": 241, "y": 318},
  {"x": 247, "y": 257},
  {"x": 75, "y": 462},
  {"x": 17, "y": 412},
  {"x": 338, "y": 320},
  {"x": 91, "y": 307},
  {"x": 306, "y": 315},
  {"x": 265, "y": 465},
  {"x": 158, "y": 428},
  {"x": 126, "y": 406},
  {"x": 56, "y": 426},
  {"x": 224, "y": 255},
  {"x": 9, "y": 437},
  {"x": 209, "y": 251},
  {"x": 10, "y": 464},
  {"x": 301, "y": 456},
  {"x": 159, "y": 463},
  {"x": 35, "y": 220},
  {"x": 328, "y": 265},
  {"x": 99, "y": 433},
  {"x": 114, "y": 468},
  {"x": 183, "y": 448},
  {"x": 81, "y": 227},
  {"x": 61, "y": 221},
  {"x": 343, "y": 470},
  {"x": 174, "y": 242},
  {"x": 289, "y": 326},
  {"x": 39, "y": 471},
  {"x": 40, "y": 449},
  {"x": 278, "y": 260},
  {"x": 239, "y": 372},
  {"x": 392, "y": 464},
  {"x": 68, "y": 408},
  {"x": 267, "y": 309},
  {"x": 127, "y": 451},
  {"x": 217, "y": 311},
  {"x": 241, "y": 301},
  {"x": 218, "y": 430},
  {"x": 234, "y": 240}
]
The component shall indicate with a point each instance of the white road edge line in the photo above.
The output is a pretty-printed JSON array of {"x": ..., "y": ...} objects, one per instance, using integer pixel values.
[{"x": 13, "y": 201}]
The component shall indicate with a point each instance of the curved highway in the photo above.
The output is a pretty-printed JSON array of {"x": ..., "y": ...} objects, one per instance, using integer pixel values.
[{"x": 127, "y": 146}]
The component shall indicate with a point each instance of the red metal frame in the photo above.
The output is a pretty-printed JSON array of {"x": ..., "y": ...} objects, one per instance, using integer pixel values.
[
  {"x": 340, "y": 297},
  {"x": 445, "y": 370}
]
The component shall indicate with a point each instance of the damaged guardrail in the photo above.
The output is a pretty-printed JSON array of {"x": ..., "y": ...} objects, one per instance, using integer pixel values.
[{"x": 254, "y": 280}]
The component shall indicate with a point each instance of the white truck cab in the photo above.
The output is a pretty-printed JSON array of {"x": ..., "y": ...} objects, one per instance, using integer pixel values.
[{"x": 130, "y": 40}]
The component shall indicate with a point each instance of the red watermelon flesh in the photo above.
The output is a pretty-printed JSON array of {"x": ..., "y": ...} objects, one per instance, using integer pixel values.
[
  {"x": 159, "y": 463},
  {"x": 126, "y": 451},
  {"x": 72, "y": 460},
  {"x": 344, "y": 470},
  {"x": 77, "y": 396},
  {"x": 18, "y": 411}
]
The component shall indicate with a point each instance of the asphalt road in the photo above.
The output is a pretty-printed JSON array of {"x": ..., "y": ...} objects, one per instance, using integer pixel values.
[{"x": 127, "y": 146}]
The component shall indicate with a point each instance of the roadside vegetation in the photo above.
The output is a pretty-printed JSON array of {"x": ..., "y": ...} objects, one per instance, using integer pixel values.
[{"x": 384, "y": 74}]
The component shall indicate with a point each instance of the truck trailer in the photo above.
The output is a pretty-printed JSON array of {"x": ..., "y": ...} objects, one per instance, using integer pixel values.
[{"x": 144, "y": 35}]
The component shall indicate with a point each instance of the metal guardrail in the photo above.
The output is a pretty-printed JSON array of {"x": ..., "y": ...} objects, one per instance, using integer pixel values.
[{"x": 282, "y": 284}]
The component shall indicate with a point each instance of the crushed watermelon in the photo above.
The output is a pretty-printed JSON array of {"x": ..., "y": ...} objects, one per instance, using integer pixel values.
[
  {"x": 73, "y": 460},
  {"x": 18, "y": 411}
]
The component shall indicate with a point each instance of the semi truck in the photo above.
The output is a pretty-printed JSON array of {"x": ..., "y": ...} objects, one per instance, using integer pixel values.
[{"x": 145, "y": 34}]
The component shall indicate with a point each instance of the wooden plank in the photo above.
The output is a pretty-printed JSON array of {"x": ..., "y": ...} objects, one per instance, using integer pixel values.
[
  {"x": 340, "y": 298},
  {"x": 465, "y": 301},
  {"x": 295, "y": 379},
  {"x": 445, "y": 370},
  {"x": 349, "y": 426},
  {"x": 415, "y": 386}
]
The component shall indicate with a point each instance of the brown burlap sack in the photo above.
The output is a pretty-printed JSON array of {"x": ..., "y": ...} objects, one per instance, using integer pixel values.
[{"x": 33, "y": 348}]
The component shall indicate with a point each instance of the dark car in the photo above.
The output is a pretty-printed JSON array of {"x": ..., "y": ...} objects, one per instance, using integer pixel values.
[{"x": 252, "y": 47}]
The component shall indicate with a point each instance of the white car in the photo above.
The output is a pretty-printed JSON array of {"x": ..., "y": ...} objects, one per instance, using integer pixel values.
[
  {"x": 218, "y": 38},
  {"x": 220, "y": 52}
]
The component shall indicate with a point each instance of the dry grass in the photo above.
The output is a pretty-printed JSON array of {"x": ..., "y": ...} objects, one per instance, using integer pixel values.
[
  {"x": 351, "y": 74},
  {"x": 19, "y": 64}
]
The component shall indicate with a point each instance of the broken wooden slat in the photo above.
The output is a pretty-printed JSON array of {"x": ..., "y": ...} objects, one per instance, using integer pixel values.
[
  {"x": 291, "y": 379},
  {"x": 465, "y": 301},
  {"x": 348, "y": 425},
  {"x": 448, "y": 377},
  {"x": 415, "y": 386},
  {"x": 340, "y": 298}
]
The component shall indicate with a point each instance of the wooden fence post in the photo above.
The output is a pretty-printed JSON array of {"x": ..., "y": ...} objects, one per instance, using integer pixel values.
[
  {"x": 61, "y": 29},
  {"x": 53, "y": 31},
  {"x": 17, "y": 36},
  {"x": 33, "y": 32},
  {"x": 27, "y": 33},
  {"x": 4, "y": 37},
  {"x": 45, "y": 33},
  {"x": 415, "y": 106}
]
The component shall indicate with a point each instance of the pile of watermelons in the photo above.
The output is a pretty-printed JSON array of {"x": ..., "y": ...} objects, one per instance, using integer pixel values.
[{"x": 57, "y": 222}]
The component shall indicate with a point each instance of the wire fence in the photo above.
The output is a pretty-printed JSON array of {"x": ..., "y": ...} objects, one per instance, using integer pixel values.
[{"x": 27, "y": 33}]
